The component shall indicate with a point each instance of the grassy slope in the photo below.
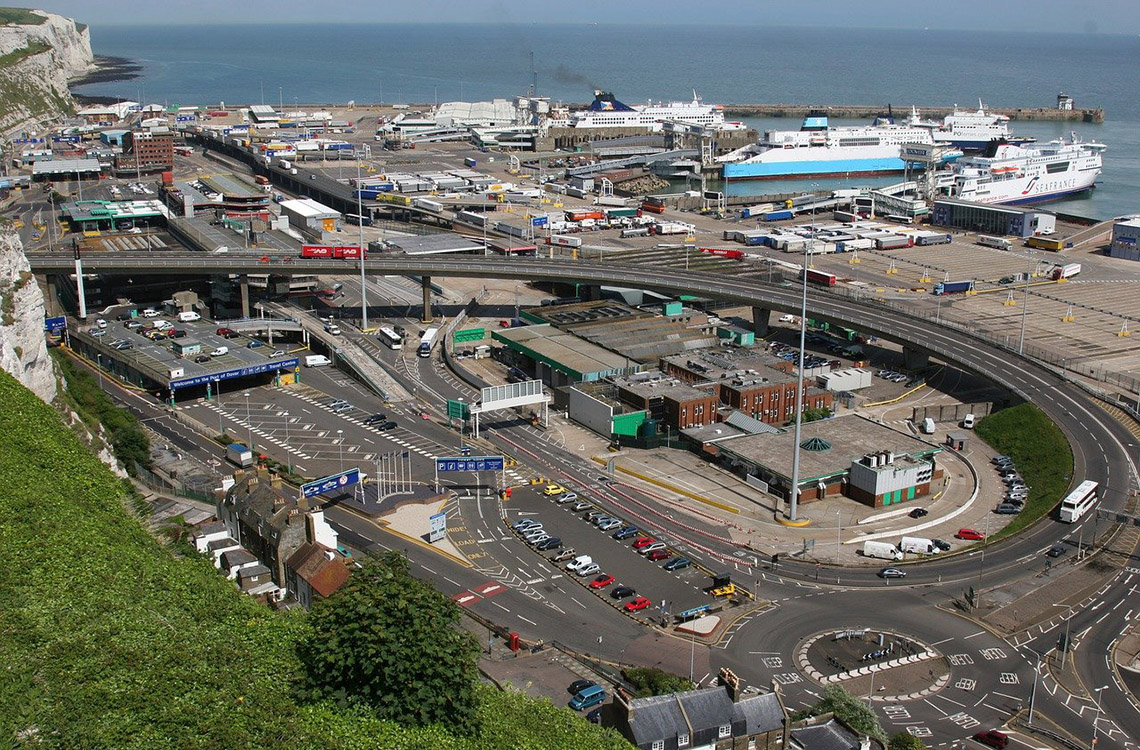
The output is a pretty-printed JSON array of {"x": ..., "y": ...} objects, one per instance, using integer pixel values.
[
  {"x": 21, "y": 16},
  {"x": 1041, "y": 452},
  {"x": 110, "y": 641}
]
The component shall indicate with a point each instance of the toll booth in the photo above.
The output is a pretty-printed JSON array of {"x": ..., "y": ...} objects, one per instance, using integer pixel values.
[
  {"x": 722, "y": 579},
  {"x": 957, "y": 440}
]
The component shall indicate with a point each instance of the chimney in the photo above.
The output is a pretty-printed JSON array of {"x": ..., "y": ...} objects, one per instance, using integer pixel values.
[
  {"x": 730, "y": 682},
  {"x": 622, "y": 710},
  {"x": 864, "y": 743},
  {"x": 275, "y": 481},
  {"x": 251, "y": 485}
]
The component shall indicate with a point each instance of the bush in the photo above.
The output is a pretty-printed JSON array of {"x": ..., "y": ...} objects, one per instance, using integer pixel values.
[
  {"x": 850, "y": 710},
  {"x": 648, "y": 681},
  {"x": 1041, "y": 452},
  {"x": 905, "y": 741}
]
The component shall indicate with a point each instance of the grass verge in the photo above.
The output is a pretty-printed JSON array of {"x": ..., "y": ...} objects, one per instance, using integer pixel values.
[{"x": 1041, "y": 452}]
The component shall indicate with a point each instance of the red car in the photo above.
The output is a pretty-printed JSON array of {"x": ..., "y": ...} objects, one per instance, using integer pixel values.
[
  {"x": 642, "y": 541},
  {"x": 639, "y": 603},
  {"x": 224, "y": 331},
  {"x": 993, "y": 738},
  {"x": 970, "y": 534},
  {"x": 601, "y": 581},
  {"x": 657, "y": 554}
]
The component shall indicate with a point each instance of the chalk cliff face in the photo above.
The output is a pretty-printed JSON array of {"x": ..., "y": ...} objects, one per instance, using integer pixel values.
[
  {"x": 23, "y": 349},
  {"x": 36, "y": 62}
]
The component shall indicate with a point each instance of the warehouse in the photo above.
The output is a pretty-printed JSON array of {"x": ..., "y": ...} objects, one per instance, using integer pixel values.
[
  {"x": 558, "y": 358},
  {"x": 836, "y": 459},
  {"x": 990, "y": 219}
]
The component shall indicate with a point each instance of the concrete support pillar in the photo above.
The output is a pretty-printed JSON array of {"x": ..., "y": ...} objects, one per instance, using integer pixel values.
[
  {"x": 244, "y": 296},
  {"x": 426, "y": 286},
  {"x": 589, "y": 292},
  {"x": 51, "y": 296},
  {"x": 914, "y": 359},
  {"x": 81, "y": 293},
  {"x": 761, "y": 319}
]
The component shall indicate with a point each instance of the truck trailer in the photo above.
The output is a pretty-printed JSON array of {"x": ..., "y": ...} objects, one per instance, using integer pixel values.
[{"x": 954, "y": 287}]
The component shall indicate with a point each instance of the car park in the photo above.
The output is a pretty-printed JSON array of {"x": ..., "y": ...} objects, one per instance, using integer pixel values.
[
  {"x": 970, "y": 534},
  {"x": 677, "y": 563},
  {"x": 892, "y": 573},
  {"x": 588, "y": 570},
  {"x": 637, "y": 604},
  {"x": 625, "y": 533},
  {"x": 602, "y": 581},
  {"x": 621, "y": 592},
  {"x": 652, "y": 548},
  {"x": 658, "y": 555},
  {"x": 1056, "y": 551}
]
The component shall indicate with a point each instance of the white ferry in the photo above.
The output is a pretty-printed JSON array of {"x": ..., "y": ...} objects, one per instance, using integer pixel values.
[
  {"x": 1031, "y": 173},
  {"x": 607, "y": 112},
  {"x": 969, "y": 131}
]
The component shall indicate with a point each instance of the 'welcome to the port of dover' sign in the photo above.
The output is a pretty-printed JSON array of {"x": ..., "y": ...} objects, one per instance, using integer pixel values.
[{"x": 325, "y": 485}]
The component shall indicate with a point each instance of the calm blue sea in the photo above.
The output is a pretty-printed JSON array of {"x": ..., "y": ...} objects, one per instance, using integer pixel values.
[{"x": 438, "y": 62}]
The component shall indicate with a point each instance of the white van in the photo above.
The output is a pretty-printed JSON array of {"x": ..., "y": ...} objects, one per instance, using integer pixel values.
[
  {"x": 188, "y": 317},
  {"x": 221, "y": 351},
  {"x": 968, "y": 421},
  {"x": 317, "y": 360},
  {"x": 161, "y": 325},
  {"x": 150, "y": 312},
  {"x": 928, "y": 426}
]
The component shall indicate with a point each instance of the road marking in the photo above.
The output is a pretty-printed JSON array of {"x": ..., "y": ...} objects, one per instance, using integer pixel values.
[
  {"x": 975, "y": 635},
  {"x": 532, "y": 622}
]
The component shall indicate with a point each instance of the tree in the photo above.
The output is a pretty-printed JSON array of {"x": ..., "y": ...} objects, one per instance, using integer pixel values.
[
  {"x": 647, "y": 681},
  {"x": 904, "y": 741},
  {"x": 850, "y": 710},
  {"x": 390, "y": 643}
]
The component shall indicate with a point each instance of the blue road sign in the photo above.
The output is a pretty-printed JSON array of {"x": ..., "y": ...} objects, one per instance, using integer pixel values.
[
  {"x": 55, "y": 325},
  {"x": 325, "y": 485},
  {"x": 538, "y": 221},
  {"x": 437, "y": 528},
  {"x": 469, "y": 463}
]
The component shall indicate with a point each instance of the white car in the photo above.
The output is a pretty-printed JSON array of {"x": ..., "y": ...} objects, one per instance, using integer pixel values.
[{"x": 651, "y": 548}]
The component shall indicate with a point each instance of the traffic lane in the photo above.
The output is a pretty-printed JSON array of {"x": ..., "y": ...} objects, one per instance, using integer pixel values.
[
  {"x": 577, "y": 626},
  {"x": 681, "y": 589},
  {"x": 989, "y": 679}
]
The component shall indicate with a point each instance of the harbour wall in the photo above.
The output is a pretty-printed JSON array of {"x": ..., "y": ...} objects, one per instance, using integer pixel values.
[{"x": 862, "y": 112}]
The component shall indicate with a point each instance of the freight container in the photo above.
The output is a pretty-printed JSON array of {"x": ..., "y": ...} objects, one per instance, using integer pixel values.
[
  {"x": 635, "y": 232},
  {"x": 472, "y": 217},
  {"x": 954, "y": 287},
  {"x": 1044, "y": 243},
  {"x": 999, "y": 242},
  {"x": 613, "y": 213},
  {"x": 427, "y": 205},
  {"x": 574, "y": 192},
  {"x": 850, "y": 246},
  {"x": 1067, "y": 271},
  {"x": 610, "y": 200},
  {"x": 582, "y": 215},
  {"x": 239, "y": 455},
  {"x": 563, "y": 241},
  {"x": 882, "y": 550},
  {"x": 751, "y": 212},
  {"x": 469, "y": 162},
  {"x": 932, "y": 238},
  {"x": 777, "y": 215},
  {"x": 671, "y": 227},
  {"x": 845, "y": 216},
  {"x": 723, "y": 252}
]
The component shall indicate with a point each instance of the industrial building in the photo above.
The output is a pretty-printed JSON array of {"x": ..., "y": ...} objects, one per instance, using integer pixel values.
[
  {"x": 48, "y": 170},
  {"x": 309, "y": 217},
  {"x": 1125, "y": 234},
  {"x": 991, "y": 219},
  {"x": 86, "y": 216},
  {"x": 146, "y": 152},
  {"x": 849, "y": 455},
  {"x": 669, "y": 402},
  {"x": 558, "y": 358}
]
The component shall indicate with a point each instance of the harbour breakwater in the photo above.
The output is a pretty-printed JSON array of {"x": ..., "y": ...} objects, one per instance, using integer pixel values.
[{"x": 862, "y": 112}]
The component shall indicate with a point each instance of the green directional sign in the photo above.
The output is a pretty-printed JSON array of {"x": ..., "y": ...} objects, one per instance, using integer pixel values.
[
  {"x": 470, "y": 334},
  {"x": 458, "y": 410}
]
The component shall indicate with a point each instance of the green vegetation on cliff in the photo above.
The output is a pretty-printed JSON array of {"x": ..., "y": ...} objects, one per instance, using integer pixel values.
[
  {"x": 20, "y": 17},
  {"x": 110, "y": 640}
]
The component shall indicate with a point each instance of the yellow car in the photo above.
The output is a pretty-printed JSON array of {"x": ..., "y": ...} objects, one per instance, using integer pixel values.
[
  {"x": 553, "y": 489},
  {"x": 728, "y": 590}
]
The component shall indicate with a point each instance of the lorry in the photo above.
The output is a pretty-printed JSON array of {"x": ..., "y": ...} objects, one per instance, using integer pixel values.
[
  {"x": 239, "y": 455},
  {"x": 882, "y": 550},
  {"x": 954, "y": 287},
  {"x": 777, "y": 215},
  {"x": 893, "y": 242},
  {"x": 918, "y": 546},
  {"x": 564, "y": 241},
  {"x": 1067, "y": 271},
  {"x": 427, "y": 205}
]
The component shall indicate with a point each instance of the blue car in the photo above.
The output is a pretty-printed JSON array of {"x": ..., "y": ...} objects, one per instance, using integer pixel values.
[
  {"x": 625, "y": 533},
  {"x": 677, "y": 563}
]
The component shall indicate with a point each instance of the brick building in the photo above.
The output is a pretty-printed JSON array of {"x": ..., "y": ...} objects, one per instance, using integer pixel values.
[
  {"x": 669, "y": 401},
  {"x": 146, "y": 152}
]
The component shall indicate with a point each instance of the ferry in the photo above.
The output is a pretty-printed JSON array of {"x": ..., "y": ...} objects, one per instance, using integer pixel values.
[
  {"x": 819, "y": 150},
  {"x": 969, "y": 131},
  {"x": 1030, "y": 173},
  {"x": 607, "y": 112}
]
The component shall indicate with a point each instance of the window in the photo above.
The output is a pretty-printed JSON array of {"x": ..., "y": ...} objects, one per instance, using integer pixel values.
[
  {"x": 724, "y": 731},
  {"x": 658, "y": 744},
  {"x": 683, "y": 740}
]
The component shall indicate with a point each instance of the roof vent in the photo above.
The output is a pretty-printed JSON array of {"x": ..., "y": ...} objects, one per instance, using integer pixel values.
[{"x": 816, "y": 445}]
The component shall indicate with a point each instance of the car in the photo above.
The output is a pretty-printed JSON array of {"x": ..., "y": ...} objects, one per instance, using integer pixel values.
[
  {"x": 992, "y": 738},
  {"x": 601, "y": 518},
  {"x": 624, "y": 533},
  {"x": 1013, "y": 479},
  {"x": 970, "y": 534},
  {"x": 605, "y": 480},
  {"x": 589, "y": 570},
  {"x": 277, "y": 353},
  {"x": 202, "y": 358},
  {"x": 531, "y": 529},
  {"x": 567, "y": 497},
  {"x": 385, "y": 426},
  {"x": 342, "y": 408},
  {"x": 643, "y": 541},
  {"x": 123, "y": 346},
  {"x": 677, "y": 563},
  {"x": 553, "y": 489},
  {"x": 658, "y": 555},
  {"x": 132, "y": 324},
  {"x": 944, "y": 546},
  {"x": 254, "y": 344},
  {"x": 177, "y": 333},
  {"x": 96, "y": 332},
  {"x": 609, "y": 524},
  {"x": 918, "y": 513},
  {"x": 727, "y": 590},
  {"x": 1056, "y": 551},
  {"x": 580, "y": 506},
  {"x": 378, "y": 417},
  {"x": 637, "y": 604},
  {"x": 565, "y": 554},
  {"x": 224, "y": 331},
  {"x": 523, "y": 523},
  {"x": 233, "y": 335},
  {"x": 536, "y": 539},
  {"x": 548, "y": 544},
  {"x": 621, "y": 592},
  {"x": 1007, "y": 470},
  {"x": 892, "y": 573},
  {"x": 652, "y": 548},
  {"x": 338, "y": 402},
  {"x": 999, "y": 458},
  {"x": 593, "y": 514},
  {"x": 1007, "y": 509},
  {"x": 595, "y": 716},
  {"x": 602, "y": 581},
  {"x": 578, "y": 686},
  {"x": 150, "y": 312}
]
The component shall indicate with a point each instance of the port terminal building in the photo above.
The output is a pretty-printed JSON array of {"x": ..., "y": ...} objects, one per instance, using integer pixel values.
[{"x": 989, "y": 219}]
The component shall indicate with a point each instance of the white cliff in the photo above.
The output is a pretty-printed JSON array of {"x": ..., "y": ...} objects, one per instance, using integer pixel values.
[
  {"x": 36, "y": 62},
  {"x": 23, "y": 348}
]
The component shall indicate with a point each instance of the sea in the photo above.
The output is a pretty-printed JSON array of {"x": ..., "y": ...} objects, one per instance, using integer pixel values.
[{"x": 752, "y": 62}]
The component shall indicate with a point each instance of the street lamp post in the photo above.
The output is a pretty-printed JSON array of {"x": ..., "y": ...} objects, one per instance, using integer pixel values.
[
  {"x": 288, "y": 453},
  {"x": 1097, "y": 719},
  {"x": 1033, "y": 692},
  {"x": 340, "y": 446},
  {"x": 360, "y": 228},
  {"x": 1068, "y": 645},
  {"x": 248, "y": 422},
  {"x": 99, "y": 369},
  {"x": 798, "y": 406},
  {"x": 218, "y": 385},
  {"x": 1024, "y": 305},
  {"x": 838, "y": 533}
]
